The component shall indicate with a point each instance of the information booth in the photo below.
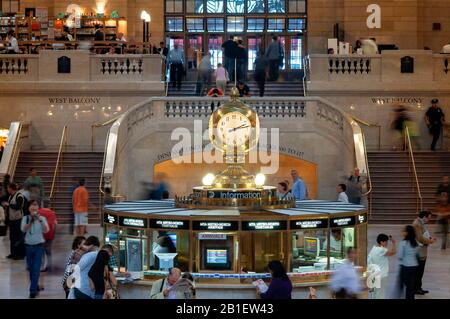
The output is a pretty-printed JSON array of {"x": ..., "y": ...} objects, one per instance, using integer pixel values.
[{"x": 233, "y": 247}]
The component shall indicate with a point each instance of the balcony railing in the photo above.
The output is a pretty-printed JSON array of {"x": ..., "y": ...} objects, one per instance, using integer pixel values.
[
  {"x": 385, "y": 71},
  {"x": 84, "y": 67}
]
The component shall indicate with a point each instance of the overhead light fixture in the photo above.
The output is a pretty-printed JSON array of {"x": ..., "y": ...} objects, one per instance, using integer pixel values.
[
  {"x": 260, "y": 179},
  {"x": 208, "y": 179}
]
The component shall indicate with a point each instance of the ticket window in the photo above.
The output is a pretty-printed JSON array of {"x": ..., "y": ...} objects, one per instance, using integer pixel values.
[
  {"x": 308, "y": 250},
  {"x": 216, "y": 252},
  {"x": 341, "y": 239},
  {"x": 112, "y": 238},
  {"x": 169, "y": 249},
  {"x": 258, "y": 249},
  {"x": 132, "y": 250}
]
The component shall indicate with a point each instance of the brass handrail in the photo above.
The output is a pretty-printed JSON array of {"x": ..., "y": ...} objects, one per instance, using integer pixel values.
[
  {"x": 357, "y": 131},
  {"x": 62, "y": 146},
  {"x": 100, "y": 124},
  {"x": 408, "y": 148},
  {"x": 368, "y": 124}
]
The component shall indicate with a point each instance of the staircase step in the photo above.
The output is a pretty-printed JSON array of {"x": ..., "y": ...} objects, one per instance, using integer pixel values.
[{"x": 73, "y": 165}]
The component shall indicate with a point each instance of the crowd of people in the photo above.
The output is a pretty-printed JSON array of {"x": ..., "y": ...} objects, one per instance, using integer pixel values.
[{"x": 266, "y": 66}]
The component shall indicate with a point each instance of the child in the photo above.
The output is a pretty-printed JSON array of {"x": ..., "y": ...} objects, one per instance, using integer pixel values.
[{"x": 222, "y": 78}]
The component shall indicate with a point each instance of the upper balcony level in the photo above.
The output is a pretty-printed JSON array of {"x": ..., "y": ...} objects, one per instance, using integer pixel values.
[
  {"x": 389, "y": 72},
  {"x": 80, "y": 71}
]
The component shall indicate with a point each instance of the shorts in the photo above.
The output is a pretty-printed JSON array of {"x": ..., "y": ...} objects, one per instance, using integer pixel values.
[{"x": 81, "y": 219}]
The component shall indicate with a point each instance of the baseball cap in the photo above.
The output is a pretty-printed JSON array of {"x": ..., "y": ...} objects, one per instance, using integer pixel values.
[{"x": 434, "y": 100}]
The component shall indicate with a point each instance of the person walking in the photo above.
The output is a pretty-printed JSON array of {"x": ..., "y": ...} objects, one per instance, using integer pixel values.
[
  {"x": 260, "y": 66},
  {"x": 73, "y": 187},
  {"x": 222, "y": 77},
  {"x": 229, "y": 48},
  {"x": 298, "y": 186},
  {"x": 434, "y": 118},
  {"x": 342, "y": 196},
  {"x": 379, "y": 256},
  {"x": 34, "y": 226},
  {"x": 242, "y": 61},
  {"x": 204, "y": 74},
  {"x": 34, "y": 181},
  {"x": 423, "y": 237},
  {"x": 49, "y": 236},
  {"x": 80, "y": 202},
  {"x": 275, "y": 56},
  {"x": 443, "y": 187},
  {"x": 345, "y": 281},
  {"x": 442, "y": 211},
  {"x": 408, "y": 254},
  {"x": 176, "y": 62},
  {"x": 281, "y": 286},
  {"x": 16, "y": 207}
]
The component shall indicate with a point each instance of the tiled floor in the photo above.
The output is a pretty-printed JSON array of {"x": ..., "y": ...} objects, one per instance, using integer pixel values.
[{"x": 14, "y": 280}]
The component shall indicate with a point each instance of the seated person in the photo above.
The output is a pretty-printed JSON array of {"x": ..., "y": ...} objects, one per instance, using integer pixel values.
[
  {"x": 215, "y": 92},
  {"x": 244, "y": 90},
  {"x": 330, "y": 51},
  {"x": 335, "y": 241}
]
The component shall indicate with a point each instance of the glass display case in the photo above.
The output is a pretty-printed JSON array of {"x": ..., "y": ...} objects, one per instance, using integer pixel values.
[{"x": 310, "y": 245}]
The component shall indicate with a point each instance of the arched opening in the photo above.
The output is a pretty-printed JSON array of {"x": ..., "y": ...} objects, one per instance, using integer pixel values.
[{"x": 182, "y": 177}]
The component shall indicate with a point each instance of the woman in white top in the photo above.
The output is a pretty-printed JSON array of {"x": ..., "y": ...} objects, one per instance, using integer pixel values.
[{"x": 221, "y": 76}]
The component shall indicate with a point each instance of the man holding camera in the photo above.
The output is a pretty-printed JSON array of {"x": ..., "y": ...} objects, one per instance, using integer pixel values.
[{"x": 34, "y": 226}]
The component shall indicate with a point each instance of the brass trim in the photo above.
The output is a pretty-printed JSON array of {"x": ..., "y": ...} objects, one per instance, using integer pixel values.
[
  {"x": 419, "y": 198},
  {"x": 62, "y": 148}
]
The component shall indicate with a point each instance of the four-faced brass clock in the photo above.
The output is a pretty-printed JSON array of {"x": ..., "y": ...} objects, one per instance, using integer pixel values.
[{"x": 234, "y": 127}]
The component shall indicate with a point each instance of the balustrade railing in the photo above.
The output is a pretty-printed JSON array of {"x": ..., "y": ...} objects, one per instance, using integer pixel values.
[
  {"x": 105, "y": 67},
  {"x": 350, "y": 65},
  {"x": 121, "y": 65}
]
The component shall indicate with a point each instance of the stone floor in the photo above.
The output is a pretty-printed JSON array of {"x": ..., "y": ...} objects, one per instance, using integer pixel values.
[{"x": 14, "y": 280}]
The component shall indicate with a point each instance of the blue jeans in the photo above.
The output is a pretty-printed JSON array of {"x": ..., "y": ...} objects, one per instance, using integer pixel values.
[
  {"x": 98, "y": 296},
  {"x": 34, "y": 261},
  {"x": 229, "y": 66}
]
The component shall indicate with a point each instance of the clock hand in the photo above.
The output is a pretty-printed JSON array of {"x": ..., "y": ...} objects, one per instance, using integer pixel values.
[{"x": 239, "y": 127}]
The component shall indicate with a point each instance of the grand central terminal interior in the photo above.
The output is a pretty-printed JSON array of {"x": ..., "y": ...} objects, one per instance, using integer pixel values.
[{"x": 224, "y": 149}]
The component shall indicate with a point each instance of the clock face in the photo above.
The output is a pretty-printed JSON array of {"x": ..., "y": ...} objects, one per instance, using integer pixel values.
[{"x": 234, "y": 128}]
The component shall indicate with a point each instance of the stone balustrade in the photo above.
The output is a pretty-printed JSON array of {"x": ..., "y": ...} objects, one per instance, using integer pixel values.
[
  {"x": 79, "y": 66},
  {"x": 380, "y": 72}
]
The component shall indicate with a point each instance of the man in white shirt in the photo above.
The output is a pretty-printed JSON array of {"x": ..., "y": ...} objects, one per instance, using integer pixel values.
[
  {"x": 379, "y": 256},
  {"x": 342, "y": 196},
  {"x": 13, "y": 46},
  {"x": 345, "y": 281}
]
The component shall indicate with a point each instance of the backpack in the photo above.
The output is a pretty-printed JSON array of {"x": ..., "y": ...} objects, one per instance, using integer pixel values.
[{"x": 16, "y": 214}]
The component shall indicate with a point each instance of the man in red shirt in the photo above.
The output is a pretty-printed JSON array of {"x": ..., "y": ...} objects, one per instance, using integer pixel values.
[{"x": 50, "y": 235}]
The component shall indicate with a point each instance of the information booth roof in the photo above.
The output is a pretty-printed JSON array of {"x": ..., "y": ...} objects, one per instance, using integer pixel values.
[{"x": 313, "y": 208}]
